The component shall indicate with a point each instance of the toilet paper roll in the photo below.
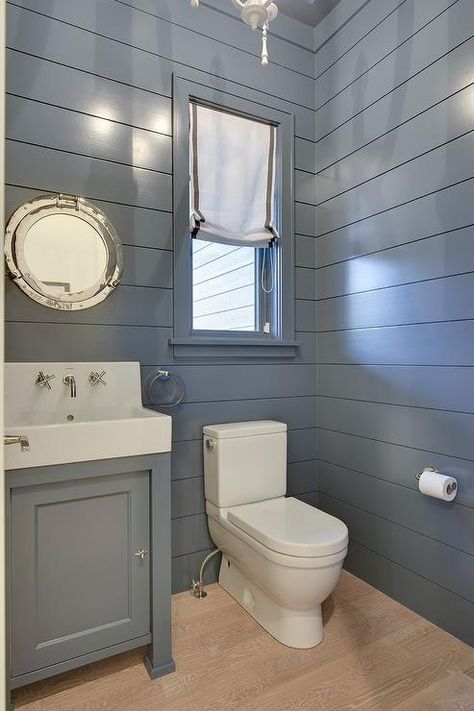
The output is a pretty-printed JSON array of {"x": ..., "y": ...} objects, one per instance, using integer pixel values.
[{"x": 438, "y": 485}]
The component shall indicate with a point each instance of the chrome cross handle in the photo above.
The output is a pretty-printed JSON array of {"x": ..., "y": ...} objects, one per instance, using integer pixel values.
[
  {"x": 96, "y": 378},
  {"x": 43, "y": 380},
  {"x": 17, "y": 439}
]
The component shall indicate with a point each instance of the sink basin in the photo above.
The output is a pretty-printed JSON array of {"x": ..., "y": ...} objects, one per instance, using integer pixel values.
[{"x": 102, "y": 422}]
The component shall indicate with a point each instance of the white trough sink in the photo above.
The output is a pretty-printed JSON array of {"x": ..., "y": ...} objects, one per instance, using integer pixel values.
[{"x": 101, "y": 422}]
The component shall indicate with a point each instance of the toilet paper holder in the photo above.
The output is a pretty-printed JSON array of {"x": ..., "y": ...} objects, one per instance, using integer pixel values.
[{"x": 449, "y": 489}]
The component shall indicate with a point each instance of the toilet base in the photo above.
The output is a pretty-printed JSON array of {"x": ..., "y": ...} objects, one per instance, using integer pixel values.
[{"x": 300, "y": 629}]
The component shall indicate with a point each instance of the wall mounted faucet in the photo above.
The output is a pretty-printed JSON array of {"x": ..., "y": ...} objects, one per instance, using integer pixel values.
[
  {"x": 17, "y": 439},
  {"x": 71, "y": 381}
]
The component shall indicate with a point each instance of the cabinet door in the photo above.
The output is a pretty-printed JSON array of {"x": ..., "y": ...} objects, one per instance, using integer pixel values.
[{"x": 76, "y": 584}]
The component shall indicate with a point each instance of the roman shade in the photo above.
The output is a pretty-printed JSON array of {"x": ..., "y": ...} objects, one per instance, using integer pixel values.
[{"x": 232, "y": 177}]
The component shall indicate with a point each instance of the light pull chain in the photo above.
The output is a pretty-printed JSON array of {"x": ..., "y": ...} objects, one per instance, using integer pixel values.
[{"x": 264, "y": 45}]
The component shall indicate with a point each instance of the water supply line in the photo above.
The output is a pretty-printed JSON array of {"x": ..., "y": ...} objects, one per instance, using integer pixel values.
[{"x": 197, "y": 586}]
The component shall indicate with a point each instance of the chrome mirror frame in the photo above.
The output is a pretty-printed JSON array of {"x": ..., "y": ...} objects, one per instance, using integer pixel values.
[{"x": 16, "y": 232}]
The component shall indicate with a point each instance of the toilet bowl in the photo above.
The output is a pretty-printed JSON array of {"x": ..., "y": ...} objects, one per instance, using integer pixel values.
[{"x": 281, "y": 558}]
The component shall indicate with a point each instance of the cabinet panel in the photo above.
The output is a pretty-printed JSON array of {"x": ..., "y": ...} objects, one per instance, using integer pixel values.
[{"x": 77, "y": 585}]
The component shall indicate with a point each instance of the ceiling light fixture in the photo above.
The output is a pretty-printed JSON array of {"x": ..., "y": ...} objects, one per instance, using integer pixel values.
[{"x": 256, "y": 13}]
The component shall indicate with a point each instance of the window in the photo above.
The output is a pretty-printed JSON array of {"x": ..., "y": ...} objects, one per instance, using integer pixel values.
[
  {"x": 233, "y": 218},
  {"x": 225, "y": 287}
]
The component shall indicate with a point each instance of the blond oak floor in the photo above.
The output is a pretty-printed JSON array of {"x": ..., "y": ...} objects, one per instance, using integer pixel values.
[{"x": 376, "y": 654}]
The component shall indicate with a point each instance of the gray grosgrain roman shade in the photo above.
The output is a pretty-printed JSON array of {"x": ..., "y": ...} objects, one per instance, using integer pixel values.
[{"x": 232, "y": 165}]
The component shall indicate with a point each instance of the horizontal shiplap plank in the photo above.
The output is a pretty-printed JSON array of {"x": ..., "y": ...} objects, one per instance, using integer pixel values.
[
  {"x": 398, "y": 27},
  {"x": 446, "y": 523},
  {"x": 135, "y": 226},
  {"x": 305, "y": 251},
  {"x": 88, "y": 93},
  {"x": 147, "y": 267},
  {"x": 442, "y": 388},
  {"x": 447, "y": 299},
  {"x": 189, "y": 534},
  {"x": 302, "y": 445},
  {"x": 297, "y": 412},
  {"x": 449, "y": 209},
  {"x": 61, "y": 172},
  {"x": 100, "y": 342},
  {"x": 239, "y": 382},
  {"x": 394, "y": 463},
  {"x": 168, "y": 41},
  {"x": 305, "y": 283},
  {"x": 449, "y": 433},
  {"x": 442, "y": 123},
  {"x": 187, "y": 497},
  {"x": 187, "y": 459},
  {"x": 305, "y": 187},
  {"x": 86, "y": 342},
  {"x": 52, "y": 127},
  {"x": 451, "y": 568},
  {"x": 440, "y": 36},
  {"x": 73, "y": 110},
  {"x": 433, "y": 84},
  {"x": 422, "y": 344},
  {"x": 440, "y": 168},
  {"x": 302, "y": 477},
  {"x": 440, "y": 606},
  {"x": 65, "y": 44},
  {"x": 305, "y": 155},
  {"x": 305, "y": 219},
  {"x": 310, "y": 497},
  {"x": 431, "y": 258},
  {"x": 345, "y": 26},
  {"x": 126, "y": 306},
  {"x": 305, "y": 318}
]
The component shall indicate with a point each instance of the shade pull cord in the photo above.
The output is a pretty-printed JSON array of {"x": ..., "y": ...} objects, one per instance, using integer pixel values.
[{"x": 272, "y": 271}]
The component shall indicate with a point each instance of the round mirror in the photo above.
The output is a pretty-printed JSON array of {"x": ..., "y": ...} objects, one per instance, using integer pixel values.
[{"x": 63, "y": 252}]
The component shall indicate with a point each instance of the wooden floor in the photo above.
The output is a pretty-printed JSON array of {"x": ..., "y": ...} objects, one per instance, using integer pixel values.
[{"x": 376, "y": 654}]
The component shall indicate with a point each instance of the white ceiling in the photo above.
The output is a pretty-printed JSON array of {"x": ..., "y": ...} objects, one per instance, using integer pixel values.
[{"x": 308, "y": 11}]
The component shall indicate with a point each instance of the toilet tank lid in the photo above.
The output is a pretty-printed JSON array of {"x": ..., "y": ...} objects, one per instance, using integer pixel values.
[{"x": 244, "y": 429}]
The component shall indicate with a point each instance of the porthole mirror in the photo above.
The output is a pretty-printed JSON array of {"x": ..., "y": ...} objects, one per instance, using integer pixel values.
[{"x": 63, "y": 252}]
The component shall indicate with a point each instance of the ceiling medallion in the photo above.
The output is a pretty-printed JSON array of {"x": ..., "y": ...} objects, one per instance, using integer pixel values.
[{"x": 256, "y": 13}]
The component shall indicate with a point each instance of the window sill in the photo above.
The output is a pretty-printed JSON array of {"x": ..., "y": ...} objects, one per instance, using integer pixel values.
[{"x": 251, "y": 348}]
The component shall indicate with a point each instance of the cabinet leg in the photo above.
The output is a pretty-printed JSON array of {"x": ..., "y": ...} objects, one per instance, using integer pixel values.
[
  {"x": 158, "y": 670},
  {"x": 159, "y": 660}
]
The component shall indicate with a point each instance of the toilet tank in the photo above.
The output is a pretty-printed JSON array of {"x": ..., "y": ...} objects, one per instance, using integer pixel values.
[{"x": 244, "y": 462}]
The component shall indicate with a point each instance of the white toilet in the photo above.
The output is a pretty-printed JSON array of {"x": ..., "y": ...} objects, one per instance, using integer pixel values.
[{"x": 281, "y": 558}]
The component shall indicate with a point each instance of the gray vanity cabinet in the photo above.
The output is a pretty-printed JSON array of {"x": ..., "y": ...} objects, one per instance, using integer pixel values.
[
  {"x": 77, "y": 583},
  {"x": 89, "y": 565}
]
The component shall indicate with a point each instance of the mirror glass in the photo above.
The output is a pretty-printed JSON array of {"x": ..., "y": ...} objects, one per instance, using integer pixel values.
[{"x": 63, "y": 252}]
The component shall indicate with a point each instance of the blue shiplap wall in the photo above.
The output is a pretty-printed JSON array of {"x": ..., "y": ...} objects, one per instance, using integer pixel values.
[
  {"x": 395, "y": 296},
  {"x": 384, "y": 182},
  {"x": 89, "y": 112}
]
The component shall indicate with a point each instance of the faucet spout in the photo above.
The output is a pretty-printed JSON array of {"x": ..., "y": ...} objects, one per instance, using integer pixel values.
[{"x": 71, "y": 381}]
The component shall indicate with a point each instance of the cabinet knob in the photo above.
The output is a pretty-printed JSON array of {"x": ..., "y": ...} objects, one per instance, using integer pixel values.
[{"x": 141, "y": 554}]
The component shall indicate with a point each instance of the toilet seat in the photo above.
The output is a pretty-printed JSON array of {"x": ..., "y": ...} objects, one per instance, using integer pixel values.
[{"x": 290, "y": 527}]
